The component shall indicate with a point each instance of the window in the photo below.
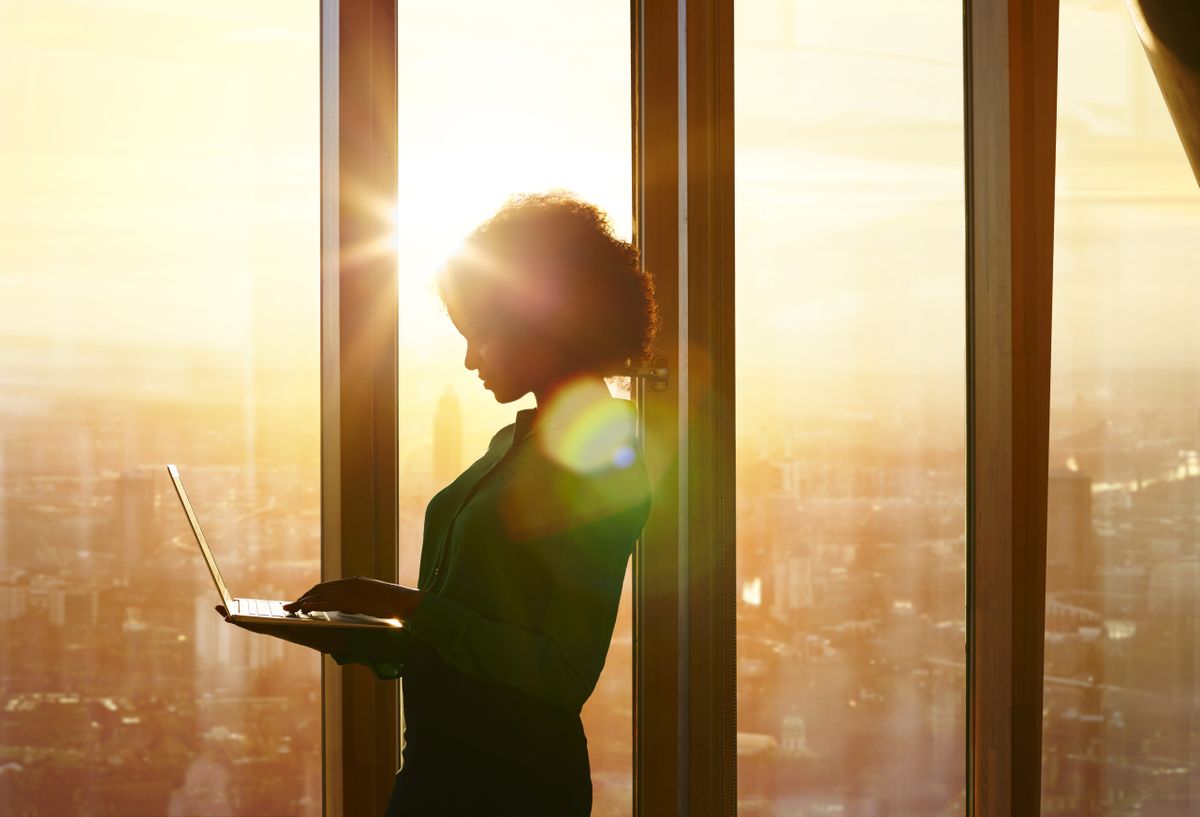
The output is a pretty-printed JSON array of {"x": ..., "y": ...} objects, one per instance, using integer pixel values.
[
  {"x": 850, "y": 408},
  {"x": 159, "y": 172},
  {"x": 161, "y": 181},
  {"x": 494, "y": 100},
  {"x": 1120, "y": 732}
]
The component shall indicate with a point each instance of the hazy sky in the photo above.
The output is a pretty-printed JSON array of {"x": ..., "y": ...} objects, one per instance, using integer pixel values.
[
  {"x": 159, "y": 173},
  {"x": 158, "y": 165}
]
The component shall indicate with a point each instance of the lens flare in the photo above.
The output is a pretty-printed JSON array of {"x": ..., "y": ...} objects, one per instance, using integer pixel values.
[{"x": 586, "y": 431}]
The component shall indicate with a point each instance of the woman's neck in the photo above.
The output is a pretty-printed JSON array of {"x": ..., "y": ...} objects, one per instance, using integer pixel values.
[{"x": 565, "y": 399}]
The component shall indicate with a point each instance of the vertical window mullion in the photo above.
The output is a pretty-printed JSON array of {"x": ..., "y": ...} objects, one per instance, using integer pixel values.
[
  {"x": 711, "y": 579},
  {"x": 657, "y": 677},
  {"x": 359, "y": 378},
  {"x": 685, "y": 755},
  {"x": 1011, "y": 82}
]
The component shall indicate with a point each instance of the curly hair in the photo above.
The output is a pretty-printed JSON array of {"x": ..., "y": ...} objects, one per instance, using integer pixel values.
[{"x": 551, "y": 263}]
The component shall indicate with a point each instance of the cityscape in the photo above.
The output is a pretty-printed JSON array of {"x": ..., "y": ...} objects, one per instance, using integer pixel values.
[
  {"x": 851, "y": 627},
  {"x": 123, "y": 693},
  {"x": 851, "y": 631},
  {"x": 196, "y": 341}
]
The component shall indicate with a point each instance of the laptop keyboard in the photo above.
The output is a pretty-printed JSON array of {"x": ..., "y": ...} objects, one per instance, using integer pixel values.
[{"x": 273, "y": 609}]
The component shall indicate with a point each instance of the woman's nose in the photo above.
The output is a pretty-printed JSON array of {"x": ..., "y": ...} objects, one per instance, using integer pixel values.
[{"x": 471, "y": 360}]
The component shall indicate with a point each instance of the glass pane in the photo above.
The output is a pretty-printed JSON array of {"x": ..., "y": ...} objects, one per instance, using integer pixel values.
[
  {"x": 495, "y": 100},
  {"x": 1121, "y": 729},
  {"x": 851, "y": 418},
  {"x": 159, "y": 214}
]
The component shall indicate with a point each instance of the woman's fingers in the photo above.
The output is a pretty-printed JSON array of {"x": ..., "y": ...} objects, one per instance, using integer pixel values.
[
  {"x": 329, "y": 600},
  {"x": 323, "y": 593},
  {"x": 347, "y": 595},
  {"x": 341, "y": 603},
  {"x": 317, "y": 590},
  {"x": 324, "y": 587}
]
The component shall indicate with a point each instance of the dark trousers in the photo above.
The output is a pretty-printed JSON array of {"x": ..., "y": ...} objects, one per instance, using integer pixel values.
[
  {"x": 496, "y": 791},
  {"x": 477, "y": 748}
]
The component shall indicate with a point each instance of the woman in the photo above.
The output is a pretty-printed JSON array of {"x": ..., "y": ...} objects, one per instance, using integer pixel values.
[{"x": 525, "y": 553}]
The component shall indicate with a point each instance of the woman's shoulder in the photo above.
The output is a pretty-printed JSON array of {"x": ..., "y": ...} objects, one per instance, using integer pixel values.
[
  {"x": 568, "y": 476},
  {"x": 503, "y": 437},
  {"x": 593, "y": 444}
]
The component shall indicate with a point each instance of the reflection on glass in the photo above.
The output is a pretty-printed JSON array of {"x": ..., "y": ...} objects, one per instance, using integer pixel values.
[
  {"x": 494, "y": 100},
  {"x": 851, "y": 419},
  {"x": 1121, "y": 729},
  {"x": 159, "y": 171}
]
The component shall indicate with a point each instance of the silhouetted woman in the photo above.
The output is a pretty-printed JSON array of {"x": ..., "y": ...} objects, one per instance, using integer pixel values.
[{"x": 525, "y": 553}]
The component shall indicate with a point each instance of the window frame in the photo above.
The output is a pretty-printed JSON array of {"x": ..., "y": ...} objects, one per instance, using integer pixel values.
[
  {"x": 1010, "y": 96},
  {"x": 684, "y": 729},
  {"x": 359, "y": 432},
  {"x": 685, "y": 755}
]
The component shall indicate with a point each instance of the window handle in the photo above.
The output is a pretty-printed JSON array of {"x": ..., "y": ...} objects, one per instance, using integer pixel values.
[{"x": 657, "y": 373}]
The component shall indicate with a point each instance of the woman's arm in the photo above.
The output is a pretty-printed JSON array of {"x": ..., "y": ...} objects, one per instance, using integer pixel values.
[
  {"x": 382, "y": 649},
  {"x": 359, "y": 594},
  {"x": 561, "y": 662}
]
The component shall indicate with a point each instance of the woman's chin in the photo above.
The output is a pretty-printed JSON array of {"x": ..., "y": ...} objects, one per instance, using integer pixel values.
[{"x": 504, "y": 396}]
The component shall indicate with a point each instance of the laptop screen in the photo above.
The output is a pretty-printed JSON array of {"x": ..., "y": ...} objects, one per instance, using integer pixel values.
[{"x": 208, "y": 557}]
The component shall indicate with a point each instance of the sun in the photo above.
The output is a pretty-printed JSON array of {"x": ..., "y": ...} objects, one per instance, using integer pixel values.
[{"x": 445, "y": 192}]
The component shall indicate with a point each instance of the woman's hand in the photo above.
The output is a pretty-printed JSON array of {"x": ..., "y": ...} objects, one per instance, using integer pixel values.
[{"x": 359, "y": 594}]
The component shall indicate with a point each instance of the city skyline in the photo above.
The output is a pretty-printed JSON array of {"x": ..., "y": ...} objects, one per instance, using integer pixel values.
[{"x": 159, "y": 236}]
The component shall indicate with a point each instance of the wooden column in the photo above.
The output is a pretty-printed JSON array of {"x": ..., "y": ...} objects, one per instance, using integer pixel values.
[
  {"x": 710, "y": 405},
  {"x": 1011, "y": 61},
  {"x": 358, "y": 377},
  {"x": 660, "y": 735},
  {"x": 686, "y": 723}
]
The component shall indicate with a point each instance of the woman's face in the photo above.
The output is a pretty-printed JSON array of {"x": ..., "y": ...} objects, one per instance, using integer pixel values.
[{"x": 511, "y": 360}]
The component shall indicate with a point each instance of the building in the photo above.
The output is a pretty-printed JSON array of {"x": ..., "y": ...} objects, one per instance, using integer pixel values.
[
  {"x": 1070, "y": 556},
  {"x": 14, "y": 601},
  {"x": 221, "y": 648},
  {"x": 447, "y": 438},
  {"x": 135, "y": 521},
  {"x": 73, "y": 607}
]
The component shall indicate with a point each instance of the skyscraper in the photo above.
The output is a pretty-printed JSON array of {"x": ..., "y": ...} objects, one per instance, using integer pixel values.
[
  {"x": 1070, "y": 560},
  {"x": 447, "y": 438},
  {"x": 135, "y": 524}
]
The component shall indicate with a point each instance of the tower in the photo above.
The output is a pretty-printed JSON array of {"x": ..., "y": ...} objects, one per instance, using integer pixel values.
[
  {"x": 135, "y": 528},
  {"x": 447, "y": 438},
  {"x": 1070, "y": 559},
  {"x": 794, "y": 734}
]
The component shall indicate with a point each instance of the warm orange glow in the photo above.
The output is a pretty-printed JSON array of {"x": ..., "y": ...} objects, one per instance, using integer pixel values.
[
  {"x": 159, "y": 299},
  {"x": 583, "y": 433}
]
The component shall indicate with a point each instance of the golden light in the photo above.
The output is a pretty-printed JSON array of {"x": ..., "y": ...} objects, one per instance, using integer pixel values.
[
  {"x": 586, "y": 434},
  {"x": 382, "y": 214}
]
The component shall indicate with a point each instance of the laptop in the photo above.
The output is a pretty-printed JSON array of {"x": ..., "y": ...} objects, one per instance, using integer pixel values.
[{"x": 263, "y": 611}]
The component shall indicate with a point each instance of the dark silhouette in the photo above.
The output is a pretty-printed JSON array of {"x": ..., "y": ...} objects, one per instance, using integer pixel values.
[{"x": 525, "y": 552}]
